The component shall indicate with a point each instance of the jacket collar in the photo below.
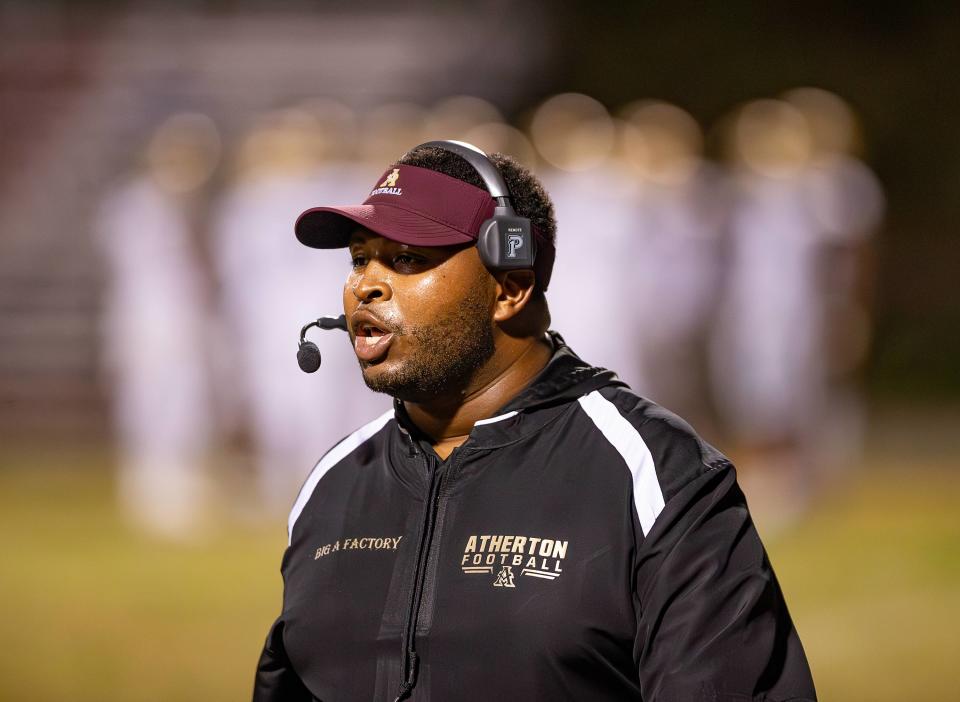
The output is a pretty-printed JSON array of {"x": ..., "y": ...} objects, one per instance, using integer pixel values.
[{"x": 565, "y": 378}]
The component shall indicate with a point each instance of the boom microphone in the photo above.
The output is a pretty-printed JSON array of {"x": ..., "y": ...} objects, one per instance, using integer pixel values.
[{"x": 308, "y": 355}]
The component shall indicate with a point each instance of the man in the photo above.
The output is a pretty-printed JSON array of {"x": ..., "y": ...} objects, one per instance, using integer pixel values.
[{"x": 521, "y": 526}]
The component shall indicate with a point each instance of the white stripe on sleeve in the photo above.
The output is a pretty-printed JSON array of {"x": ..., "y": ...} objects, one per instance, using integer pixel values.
[
  {"x": 333, "y": 457},
  {"x": 647, "y": 494}
]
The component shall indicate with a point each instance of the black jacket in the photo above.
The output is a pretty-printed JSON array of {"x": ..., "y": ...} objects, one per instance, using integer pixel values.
[{"x": 583, "y": 544}]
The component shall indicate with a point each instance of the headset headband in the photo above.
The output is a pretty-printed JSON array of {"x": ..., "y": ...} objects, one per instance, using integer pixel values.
[{"x": 481, "y": 164}]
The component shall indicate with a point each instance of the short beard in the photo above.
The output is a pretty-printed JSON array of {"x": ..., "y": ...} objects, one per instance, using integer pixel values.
[{"x": 448, "y": 354}]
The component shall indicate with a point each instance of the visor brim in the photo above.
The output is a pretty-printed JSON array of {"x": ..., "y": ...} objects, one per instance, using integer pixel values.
[{"x": 331, "y": 227}]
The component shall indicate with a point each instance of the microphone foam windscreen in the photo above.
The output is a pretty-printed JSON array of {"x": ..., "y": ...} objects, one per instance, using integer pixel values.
[{"x": 308, "y": 357}]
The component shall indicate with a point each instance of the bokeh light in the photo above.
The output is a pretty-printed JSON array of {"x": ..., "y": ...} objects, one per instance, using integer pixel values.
[{"x": 572, "y": 132}]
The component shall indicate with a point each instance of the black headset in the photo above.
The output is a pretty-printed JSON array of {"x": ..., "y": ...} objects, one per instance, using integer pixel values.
[{"x": 506, "y": 241}]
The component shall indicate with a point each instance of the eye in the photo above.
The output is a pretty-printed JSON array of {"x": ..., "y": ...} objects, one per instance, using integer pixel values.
[
  {"x": 357, "y": 260},
  {"x": 407, "y": 260}
]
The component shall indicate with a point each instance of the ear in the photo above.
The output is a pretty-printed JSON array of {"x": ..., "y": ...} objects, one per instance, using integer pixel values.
[{"x": 514, "y": 292}]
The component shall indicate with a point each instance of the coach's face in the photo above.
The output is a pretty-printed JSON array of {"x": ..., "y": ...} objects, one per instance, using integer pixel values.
[{"x": 420, "y": 318}]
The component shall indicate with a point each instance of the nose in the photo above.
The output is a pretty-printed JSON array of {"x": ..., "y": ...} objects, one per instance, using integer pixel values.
[{"x": 372, "y": 284}]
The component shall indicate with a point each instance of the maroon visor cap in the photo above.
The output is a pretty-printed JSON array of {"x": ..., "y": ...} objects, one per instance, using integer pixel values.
[{"x": 415, "y": 206}]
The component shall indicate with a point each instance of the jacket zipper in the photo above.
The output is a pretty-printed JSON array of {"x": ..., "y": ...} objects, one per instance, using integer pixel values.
[{"x": 410, "y": 659}]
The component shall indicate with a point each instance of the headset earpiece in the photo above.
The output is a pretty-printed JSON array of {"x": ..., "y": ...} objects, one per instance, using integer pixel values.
[{"x": 506, "y": 241}]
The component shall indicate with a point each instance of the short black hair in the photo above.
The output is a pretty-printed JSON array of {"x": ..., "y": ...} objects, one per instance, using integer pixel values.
[{"x": 527, "y": 193}]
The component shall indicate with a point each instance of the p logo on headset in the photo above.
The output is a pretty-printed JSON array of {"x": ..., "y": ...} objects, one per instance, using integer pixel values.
[{"x": 514, "y": 242}]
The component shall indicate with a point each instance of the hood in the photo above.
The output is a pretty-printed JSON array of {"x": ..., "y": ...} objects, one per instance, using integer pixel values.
[{"x": 565, "y": 377}]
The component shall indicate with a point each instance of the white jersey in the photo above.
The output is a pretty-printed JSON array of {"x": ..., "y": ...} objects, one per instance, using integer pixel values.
[
  {"x": 154, "y": 319},
  {"x": 595, "y": 213},
  {"x": 272, "y": 286},
  {"x": 155, "y": 333},
  {"x": 650, "y": 252},
  {"x": 769, "y": 348}
]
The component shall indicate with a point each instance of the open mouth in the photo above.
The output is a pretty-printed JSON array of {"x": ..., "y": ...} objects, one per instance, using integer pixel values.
[
  {"x": 370, "y": 334},
  {"x": 370, "y": 341}
]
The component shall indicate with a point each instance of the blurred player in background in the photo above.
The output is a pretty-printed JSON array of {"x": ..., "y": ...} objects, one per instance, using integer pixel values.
[
  {"x": 794, "y": 203},
  {"x": 673, "y": 253},
  {"x": 156, "y": 319},
  {"x": 848, "y": 204},
  {"x": 289, "y": 159},
  {"x": 596, "y": 198}
]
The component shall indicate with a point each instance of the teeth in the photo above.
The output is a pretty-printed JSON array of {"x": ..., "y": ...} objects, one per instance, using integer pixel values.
[
  {"x": 370, "y": 330},
  {"x": 371, "y": 340}
]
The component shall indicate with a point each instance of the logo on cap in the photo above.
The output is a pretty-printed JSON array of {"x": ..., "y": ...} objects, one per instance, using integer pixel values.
[
  {"x": 391, "y": 180},
  {"x": 389, "y": 185}
]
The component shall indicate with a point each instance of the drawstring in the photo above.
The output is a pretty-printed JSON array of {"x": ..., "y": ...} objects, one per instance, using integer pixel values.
[{"x": 407, "y": 685}]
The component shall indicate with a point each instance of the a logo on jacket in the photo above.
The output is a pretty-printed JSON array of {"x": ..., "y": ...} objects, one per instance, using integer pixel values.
[
  {"x": 535, "y": 556},
  {"x": 505, "y": 578}
]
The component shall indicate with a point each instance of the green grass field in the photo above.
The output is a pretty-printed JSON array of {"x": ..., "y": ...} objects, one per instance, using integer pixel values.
[{"x": 92, "y": 612}]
